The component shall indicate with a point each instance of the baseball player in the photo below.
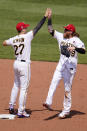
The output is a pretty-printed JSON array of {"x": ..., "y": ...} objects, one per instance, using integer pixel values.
[
  {"x": 69, "y": 45},
  {"x": 21, "y": 44}
]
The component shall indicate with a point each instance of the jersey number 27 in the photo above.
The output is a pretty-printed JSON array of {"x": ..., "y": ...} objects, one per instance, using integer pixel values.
[{"x": 19, "y": 49}]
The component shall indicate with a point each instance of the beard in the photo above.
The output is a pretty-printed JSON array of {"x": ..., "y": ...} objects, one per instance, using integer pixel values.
[{"x": 67, "y": 34}]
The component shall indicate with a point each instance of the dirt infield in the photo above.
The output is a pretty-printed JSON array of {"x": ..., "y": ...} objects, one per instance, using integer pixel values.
[{"x": 42, "y": 119}]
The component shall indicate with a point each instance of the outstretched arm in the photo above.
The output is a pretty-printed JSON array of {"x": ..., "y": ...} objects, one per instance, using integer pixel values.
[
  {"x": 50, "y": 27},
  {"x": 39, "y": 25}
]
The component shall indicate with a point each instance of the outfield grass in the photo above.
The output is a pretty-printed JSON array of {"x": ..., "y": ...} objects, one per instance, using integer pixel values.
[{"x": 44, "y": 47}]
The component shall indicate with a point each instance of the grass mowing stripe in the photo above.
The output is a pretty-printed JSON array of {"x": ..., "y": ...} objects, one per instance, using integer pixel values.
[
  {"x": 39, "y": 8},
  {"x": 55, "y": 2}
]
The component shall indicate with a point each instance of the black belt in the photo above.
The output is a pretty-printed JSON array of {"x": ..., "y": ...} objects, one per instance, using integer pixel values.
[
  {"x": 23, "y": 60},
  {"x": 71, "y": 68}
]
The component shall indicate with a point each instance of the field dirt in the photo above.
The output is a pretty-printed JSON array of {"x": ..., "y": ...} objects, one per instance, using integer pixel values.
[{"x": 40, "y": 118}]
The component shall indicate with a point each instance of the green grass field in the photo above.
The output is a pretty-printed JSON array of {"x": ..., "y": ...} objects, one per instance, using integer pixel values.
[{"x": 44, "y": 47}]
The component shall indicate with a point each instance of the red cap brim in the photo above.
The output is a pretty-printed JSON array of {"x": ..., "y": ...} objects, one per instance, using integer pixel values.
[
  {"x": 64, "y": 27},
  {"x": 26, "y": 25}
]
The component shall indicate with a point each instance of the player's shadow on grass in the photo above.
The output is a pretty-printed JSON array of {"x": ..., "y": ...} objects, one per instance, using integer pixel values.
[{"x": 72, "y": 113}]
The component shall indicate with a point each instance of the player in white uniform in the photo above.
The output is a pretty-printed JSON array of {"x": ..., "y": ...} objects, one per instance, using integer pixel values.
[
  {"x": 22, "y": 47},
  {"x": 66, "y": 67}
]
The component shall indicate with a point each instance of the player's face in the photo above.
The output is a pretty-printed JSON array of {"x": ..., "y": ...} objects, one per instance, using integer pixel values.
[
  {"x": 67, "y": 33},
  {"x": 25, "y": 30}
]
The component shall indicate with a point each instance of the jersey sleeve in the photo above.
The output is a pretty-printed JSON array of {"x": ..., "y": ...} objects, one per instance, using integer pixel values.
[
  {"x": 30, "y": 35},
  {"x": 57, "y": 34},
  {"x": 80, "y": 44},
  {"x": 9, "y": 41}
]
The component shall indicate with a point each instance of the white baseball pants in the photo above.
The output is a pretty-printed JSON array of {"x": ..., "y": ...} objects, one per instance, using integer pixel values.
[
  {"x": 21, "y": 81},
  {"x": 68, "y": 78}
]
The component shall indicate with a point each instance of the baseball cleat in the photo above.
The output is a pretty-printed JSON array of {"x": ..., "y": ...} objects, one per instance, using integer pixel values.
[
  {"x": 11, "y": 111},
  {"x": 63, "y": 115},
  {"x": 23, "y": 115},
  {"x": 47, "y": 106}
]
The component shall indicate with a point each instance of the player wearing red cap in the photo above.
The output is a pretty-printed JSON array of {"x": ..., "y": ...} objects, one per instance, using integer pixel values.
[
  {"x": 69, "y": 45},
  {"x": 22, "y": 47}
]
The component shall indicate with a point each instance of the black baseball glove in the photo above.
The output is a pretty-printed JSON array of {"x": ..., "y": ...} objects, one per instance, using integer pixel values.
[{"x": 65, "y": 51}]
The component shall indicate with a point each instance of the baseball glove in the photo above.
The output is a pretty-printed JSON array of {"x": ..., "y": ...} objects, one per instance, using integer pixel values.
[{"x": 65, "y": 51}]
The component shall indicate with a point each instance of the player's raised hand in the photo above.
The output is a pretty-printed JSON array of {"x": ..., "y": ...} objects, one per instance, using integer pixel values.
[{"x": 49, "y": 13}]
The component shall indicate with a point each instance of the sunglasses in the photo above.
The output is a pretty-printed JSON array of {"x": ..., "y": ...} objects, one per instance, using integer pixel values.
[{"x": 66, "y": 30}]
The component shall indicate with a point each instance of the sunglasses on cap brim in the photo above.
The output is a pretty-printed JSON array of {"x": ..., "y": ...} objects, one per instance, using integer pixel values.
[{"x": 66, "y": 30}]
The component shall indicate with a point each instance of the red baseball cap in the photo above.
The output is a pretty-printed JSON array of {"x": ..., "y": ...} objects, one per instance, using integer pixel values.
[
  {"x": 70, "y": 27},
  {"x": 21, "y": 25}
]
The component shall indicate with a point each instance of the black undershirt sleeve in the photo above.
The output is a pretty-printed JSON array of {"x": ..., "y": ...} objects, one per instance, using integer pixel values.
[
  {"x": 39, "y": 25},
  {"x": 50, "y": 28},
  {"x": 80, "y": 50}
]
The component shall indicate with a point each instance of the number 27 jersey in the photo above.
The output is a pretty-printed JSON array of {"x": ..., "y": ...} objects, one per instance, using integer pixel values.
[{"x": 22, "y": 45}]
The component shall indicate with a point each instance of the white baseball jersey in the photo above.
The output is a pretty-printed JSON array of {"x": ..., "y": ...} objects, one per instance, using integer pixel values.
[
  {"x": 65, "y": 69},
  {"x": 22, "y": 46},
  {"x": 74, "y": 41}
]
